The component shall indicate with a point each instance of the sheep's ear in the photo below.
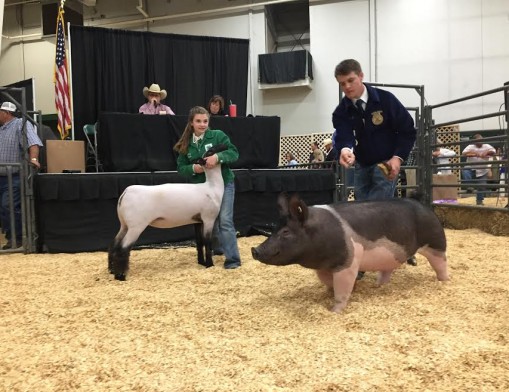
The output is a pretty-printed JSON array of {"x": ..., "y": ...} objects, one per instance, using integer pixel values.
[
  {"x": 214, "y": 149},
  {"x": 221, "y": 147}
]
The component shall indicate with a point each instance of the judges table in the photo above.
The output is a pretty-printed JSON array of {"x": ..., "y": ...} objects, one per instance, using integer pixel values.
[
  {"x": 136, "y": 142},
  {"x": 77, "y": 212}
]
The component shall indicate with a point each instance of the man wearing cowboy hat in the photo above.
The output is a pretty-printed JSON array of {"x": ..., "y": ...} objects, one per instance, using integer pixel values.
[
  {"x": 154, "y": 94},
  {"x": 331, "y": 154}
]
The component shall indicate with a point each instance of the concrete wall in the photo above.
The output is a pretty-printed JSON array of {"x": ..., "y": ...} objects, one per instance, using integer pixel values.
[{"x": 452, "y": 47}]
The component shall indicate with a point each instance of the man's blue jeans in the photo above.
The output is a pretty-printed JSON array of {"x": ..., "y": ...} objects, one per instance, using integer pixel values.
[
  {"x": 371, "y": 184},
  {"x": 5, "y": 211},
  {"x": 224, "y": 228},
  {"x": 468, "y": 176}
]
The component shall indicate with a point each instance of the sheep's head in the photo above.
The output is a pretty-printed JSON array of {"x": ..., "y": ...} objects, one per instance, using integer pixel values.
[{"x": 211, "y": 151}]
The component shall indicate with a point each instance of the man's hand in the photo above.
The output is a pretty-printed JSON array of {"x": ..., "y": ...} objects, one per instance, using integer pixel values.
[
  {"x": 35, "y": 162},
  {"x": 346, "y": 158},
  {"x": 394, "y": 164}
]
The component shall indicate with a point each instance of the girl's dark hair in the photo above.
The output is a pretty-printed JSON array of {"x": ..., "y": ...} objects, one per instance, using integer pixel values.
[{"x": 182, "y": 146}]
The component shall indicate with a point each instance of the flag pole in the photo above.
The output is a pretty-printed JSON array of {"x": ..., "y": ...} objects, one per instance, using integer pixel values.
[{"x": 70, "y": 78}]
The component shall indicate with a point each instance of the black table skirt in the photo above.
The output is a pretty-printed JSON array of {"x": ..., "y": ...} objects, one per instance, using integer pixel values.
[{"x": 77, "y": 212}]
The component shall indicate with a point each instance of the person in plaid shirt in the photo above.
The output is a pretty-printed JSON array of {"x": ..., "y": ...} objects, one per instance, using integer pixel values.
[{"x": 11, "y": 151}]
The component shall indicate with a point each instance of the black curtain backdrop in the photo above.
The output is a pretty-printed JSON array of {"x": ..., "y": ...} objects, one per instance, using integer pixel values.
[
  {"x": 111, "y": 67},
  {"x": 136, "y": 142}
]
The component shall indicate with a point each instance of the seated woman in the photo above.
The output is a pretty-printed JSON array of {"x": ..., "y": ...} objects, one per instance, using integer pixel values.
[
  {"x": 290, "y": 159},
  {"x": 155, "y": 95},
  {"x": 216, "y": 106}
]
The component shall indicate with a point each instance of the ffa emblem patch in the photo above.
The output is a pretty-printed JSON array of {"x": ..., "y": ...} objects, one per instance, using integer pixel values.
[{"x": 377, "y": 118}]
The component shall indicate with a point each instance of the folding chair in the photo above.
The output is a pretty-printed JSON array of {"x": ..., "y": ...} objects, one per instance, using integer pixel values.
[{"x": 90, "y": 131}]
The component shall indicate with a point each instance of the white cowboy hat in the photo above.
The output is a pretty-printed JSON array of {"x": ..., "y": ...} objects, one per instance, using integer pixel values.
[
  {"x": 155, "y": 89},
  {"x": 327, "y": 141}
]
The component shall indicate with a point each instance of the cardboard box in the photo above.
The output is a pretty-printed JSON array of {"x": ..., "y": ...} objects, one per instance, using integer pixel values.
[
  {"x": 65, "y": 155},
  {"x": 445, "y": 193}
]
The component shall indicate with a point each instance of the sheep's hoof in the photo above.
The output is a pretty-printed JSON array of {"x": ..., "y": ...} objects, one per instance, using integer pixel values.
[
  {"x": 206, "y": 264},
  {"x": 120, "y": 277}
]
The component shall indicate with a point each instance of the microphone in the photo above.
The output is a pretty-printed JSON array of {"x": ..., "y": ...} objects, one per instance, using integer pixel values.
[{"x": 154, "y": 102}]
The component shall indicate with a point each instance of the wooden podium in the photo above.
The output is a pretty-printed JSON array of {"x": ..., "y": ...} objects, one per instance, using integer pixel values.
[{"x": 65, "y": 155}]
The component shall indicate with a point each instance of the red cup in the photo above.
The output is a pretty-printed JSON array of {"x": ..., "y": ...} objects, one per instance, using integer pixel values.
[{"x": 233, "y": 110}]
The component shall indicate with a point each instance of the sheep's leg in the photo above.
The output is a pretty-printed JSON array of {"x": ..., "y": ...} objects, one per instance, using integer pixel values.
[
  {"x": 203, "y": 240},
  {"x": 208, "y": 250},
  {"x": 113, "y": 248},
  {"x": 119, "y": 251},
  {"x": 198, "y": 234}
]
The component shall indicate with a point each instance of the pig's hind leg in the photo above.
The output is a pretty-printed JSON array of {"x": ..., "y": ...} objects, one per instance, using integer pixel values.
[
  {"x": 383, "y": 277},
  {"x": 437, "y": 260}
]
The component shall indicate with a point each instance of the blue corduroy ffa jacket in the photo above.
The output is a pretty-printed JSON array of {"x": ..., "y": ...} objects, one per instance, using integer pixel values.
[{"x": 384, "y": 130}]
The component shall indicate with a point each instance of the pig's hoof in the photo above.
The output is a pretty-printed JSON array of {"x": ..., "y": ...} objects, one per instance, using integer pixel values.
[{"x": 338, "y": 308}]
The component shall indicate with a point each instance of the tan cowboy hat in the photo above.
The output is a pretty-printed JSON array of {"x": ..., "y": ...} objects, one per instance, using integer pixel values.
[
  {"x": 327, "y": 141},
  {"x": 155, "y": 89}
]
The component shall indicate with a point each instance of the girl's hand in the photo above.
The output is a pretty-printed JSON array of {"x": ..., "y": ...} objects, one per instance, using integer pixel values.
[{"x": 211, "y": 161}]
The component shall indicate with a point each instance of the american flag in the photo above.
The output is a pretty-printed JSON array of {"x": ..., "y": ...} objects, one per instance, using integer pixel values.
[{"x": 62, "y": 96}]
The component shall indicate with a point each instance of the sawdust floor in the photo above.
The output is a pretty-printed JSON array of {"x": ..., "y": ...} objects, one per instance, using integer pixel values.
[{"x": 66, "y": 325}]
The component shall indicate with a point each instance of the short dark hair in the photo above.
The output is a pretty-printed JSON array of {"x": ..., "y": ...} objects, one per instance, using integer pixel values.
[
  {"x": 347, "y": 66},
  {"x": 216, "y": 98}
]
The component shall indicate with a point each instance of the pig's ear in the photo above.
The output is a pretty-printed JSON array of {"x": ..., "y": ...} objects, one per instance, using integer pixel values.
[
  {"x": 298, "y": 209},
  {"x": 282, "y": 202}
]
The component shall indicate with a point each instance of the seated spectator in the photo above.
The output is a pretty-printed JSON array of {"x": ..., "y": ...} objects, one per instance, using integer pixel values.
[
  {"x": 441, "y": 156},
  {"x": 216, "y": 106},
  {"x": 290, "y": 159},
  {"x": 155, "y": 95},
  {"x": 478, "y": 174}
]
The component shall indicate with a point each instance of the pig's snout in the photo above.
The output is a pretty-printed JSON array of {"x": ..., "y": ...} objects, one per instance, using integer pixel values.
[{"x": 254, "y": 253}]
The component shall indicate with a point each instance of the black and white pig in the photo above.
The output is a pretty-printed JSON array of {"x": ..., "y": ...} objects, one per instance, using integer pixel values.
[{"x": 341, "y": 239}]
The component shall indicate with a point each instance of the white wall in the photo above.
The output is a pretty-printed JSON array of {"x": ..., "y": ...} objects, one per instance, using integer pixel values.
[
  {"x": 455, "y": 48},
  {"x": 452, "y": 47}
]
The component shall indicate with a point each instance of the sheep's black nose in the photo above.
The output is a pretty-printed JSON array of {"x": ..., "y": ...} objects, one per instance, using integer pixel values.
[{"x": 254, "y": 252}]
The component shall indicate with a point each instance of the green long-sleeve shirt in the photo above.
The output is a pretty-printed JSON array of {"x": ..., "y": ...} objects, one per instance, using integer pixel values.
[{"x": 197, "y": 150}]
